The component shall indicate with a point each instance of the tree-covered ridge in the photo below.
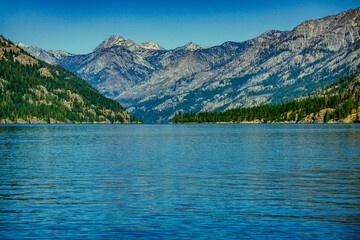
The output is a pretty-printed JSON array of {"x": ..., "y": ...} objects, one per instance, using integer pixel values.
[
  {"x": 33, "y": 91},
  {"x": 337, "y": 102}
]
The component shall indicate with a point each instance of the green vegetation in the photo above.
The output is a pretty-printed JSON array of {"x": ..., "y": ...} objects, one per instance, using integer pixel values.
[
  {"x": 333, "y": 103},
  {"x": 49, "y": 93}
]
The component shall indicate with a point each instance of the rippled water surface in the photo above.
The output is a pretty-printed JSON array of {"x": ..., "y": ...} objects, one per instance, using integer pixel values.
[{"x": 180, "y": 181}]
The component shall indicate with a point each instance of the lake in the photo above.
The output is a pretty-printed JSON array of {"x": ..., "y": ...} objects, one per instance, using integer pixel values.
[{"x": 196, "y": 181}]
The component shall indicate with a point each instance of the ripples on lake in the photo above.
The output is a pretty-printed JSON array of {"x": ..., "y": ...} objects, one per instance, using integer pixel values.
[{"x": 180, "y": 181}]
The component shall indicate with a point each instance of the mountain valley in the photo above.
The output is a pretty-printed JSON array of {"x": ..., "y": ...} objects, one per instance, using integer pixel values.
[{"x": 278, "y": 66}]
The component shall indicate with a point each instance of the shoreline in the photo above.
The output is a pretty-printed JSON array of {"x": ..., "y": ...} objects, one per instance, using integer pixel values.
[{"x": 53, "y": 121}]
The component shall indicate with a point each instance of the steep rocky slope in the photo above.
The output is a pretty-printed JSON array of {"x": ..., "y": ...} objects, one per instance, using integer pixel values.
[
  {"x": 32, "y": 91},
  {"x": 335, "y": 103},
  {"x": 275, "y": 70}
]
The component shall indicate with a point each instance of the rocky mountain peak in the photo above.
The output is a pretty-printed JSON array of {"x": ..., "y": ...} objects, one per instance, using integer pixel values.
[
  {"x": 336, "y": 31},
  {"x": 269, "y": 35},
  {"x": 115, "y": 41},
  {"x": 151, "y": 45},
  {"x": 190, "y": 47},
  {"x": 347, "y": 19}
]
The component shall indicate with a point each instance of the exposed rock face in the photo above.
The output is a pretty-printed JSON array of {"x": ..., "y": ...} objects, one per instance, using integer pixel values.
[
  {"x": 45, "y": 72},
  {"x": 115, "y": 41},
  {"x": 151, "y": 45},
  {"x": 26, "y": 60},
  {"x": 274, "y": 67},
  {"x": 190, "y": 47}
]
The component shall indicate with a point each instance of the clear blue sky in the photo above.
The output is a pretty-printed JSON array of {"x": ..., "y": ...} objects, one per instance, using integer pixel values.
[{"x": 79, "y": 26}]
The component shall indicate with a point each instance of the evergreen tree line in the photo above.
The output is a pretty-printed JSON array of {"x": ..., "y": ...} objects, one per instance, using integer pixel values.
[{"x": 343, "y": 97}]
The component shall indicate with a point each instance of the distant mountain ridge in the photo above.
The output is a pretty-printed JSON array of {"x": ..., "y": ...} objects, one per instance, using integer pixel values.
[
  {"x": 50, "y": 56},
  {"x": 274, "y": 67},
  {"x": 115, "y": 64}
]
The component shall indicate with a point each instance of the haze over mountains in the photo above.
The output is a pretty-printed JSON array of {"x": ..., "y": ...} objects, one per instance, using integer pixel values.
[{"x": 277, "y": 66}]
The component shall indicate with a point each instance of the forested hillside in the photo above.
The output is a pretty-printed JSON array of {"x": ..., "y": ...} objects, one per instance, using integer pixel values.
[
  {"x": 338, "y": 102},
  {"x": 32, "y": 91}
]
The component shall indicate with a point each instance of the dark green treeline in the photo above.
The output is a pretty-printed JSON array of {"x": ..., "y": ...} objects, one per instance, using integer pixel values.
[{"x": 341, "y": 98}]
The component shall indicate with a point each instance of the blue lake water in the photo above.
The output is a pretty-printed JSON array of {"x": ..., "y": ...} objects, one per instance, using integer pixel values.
[{"x": 216, "y": 181}]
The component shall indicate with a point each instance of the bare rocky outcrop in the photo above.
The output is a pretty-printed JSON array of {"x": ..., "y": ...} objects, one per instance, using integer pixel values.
[
  {"x": 45, "y": 72},
  {"x": 318, "y": 117},
  {"x": 6, "y": 121},
  {"x": 26, "y": 60}
]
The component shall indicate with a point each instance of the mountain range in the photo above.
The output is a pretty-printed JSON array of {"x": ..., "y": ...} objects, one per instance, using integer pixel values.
[{"x": 277, "y": 66}]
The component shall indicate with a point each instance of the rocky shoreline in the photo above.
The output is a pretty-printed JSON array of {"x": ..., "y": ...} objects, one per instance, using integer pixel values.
[{"x": 35, "y": 120}]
